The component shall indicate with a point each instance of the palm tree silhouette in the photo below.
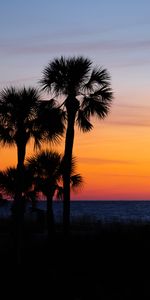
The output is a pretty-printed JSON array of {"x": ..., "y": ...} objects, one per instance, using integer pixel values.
[
  {"x": 21, "y": 116},
  {"x": 87, "y": 92},
  {"x": 47, "y": 169}
]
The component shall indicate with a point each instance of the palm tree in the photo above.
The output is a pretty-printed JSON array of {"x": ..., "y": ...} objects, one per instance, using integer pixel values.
[
  {"x": 47, "y": 169},
  {"x": 87, "y": 92},
  {"x": 21, "y": 115}
]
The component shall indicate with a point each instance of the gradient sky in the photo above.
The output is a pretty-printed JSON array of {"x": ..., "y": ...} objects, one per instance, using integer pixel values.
[{"x": 114, "y": 158}]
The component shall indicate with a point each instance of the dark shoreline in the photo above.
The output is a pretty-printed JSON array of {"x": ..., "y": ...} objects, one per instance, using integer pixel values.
[{"x": 97, "y": 261}]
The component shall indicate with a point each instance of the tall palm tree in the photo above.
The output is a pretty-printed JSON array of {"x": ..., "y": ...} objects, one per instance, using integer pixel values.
[
  {"x": 47, "y": 169},
  {"x": 21, "y": 113},
  {"x": 87, "y": 92}
]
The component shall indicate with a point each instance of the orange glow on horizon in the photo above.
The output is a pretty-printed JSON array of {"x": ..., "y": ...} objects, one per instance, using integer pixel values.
[{"x": 113, "y": 158}]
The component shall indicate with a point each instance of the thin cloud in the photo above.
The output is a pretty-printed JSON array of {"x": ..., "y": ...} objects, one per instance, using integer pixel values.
[
  {"x": 130, "y": 115},
  {"x": 129, "y": 123},
  {"x": 89, "y": 160},
  {"x": 135, "y": 62},
  {"x": 18, "y": 80},
  {"x": 130, "y": 106},
  {"x": 127, "y": 175},
  {"x": 77, "y": 32},
  {"x": 73, "y": 47}
]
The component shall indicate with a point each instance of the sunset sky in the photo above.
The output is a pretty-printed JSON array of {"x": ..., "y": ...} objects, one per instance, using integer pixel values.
[{"x": 114, "y": 158}]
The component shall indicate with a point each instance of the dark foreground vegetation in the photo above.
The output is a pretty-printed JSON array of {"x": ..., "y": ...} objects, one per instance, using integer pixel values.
[{"x": 97, "y": 261}]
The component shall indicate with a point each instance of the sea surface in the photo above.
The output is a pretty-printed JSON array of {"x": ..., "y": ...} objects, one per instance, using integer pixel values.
[{"x": 104, "y": 211}]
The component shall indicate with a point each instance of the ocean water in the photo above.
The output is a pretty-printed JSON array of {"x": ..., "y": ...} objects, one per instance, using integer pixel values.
[
  {"x": 107, "y": 211},
  {"x": 104, "y": 211}
]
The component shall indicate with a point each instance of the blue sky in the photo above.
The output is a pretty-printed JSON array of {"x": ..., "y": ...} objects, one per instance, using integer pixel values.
[{"x": 112, "y": 33}]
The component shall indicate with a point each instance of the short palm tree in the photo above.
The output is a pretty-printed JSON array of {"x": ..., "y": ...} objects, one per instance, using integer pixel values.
[
  {"x": 87, "y": 92},
  {"x": 47, "y": 169}
]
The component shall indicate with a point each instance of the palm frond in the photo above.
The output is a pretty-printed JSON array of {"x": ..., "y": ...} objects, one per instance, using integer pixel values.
[
  {"x": 59, "y": 193},
  {"x": 76, "y": 181},
  {"x": 18, "y": 111},
  {"x": 6, "y": 136},
  {"x": 8, "y": 180},
  {"x": 98, "y": 103},
  {"x": 47, "y": 169},
  {"x": 99, "y": 78},
  {"x": 73, "y": 166},
  {"x": 51, "y": 121},
  {"x": 45, "y": 163},
  {"x": 83, "y": 121},
  {"x": 23, "y": 116},
  {"x": 45, "y": 166},
  {"x": 65, "y": 75}
]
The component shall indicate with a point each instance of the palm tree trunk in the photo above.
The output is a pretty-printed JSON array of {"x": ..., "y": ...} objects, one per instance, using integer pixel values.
[
  {"x": 72, "y": 105},
  {"x": 18, "y": 207},
  {"x": 50, "y": 217}
]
